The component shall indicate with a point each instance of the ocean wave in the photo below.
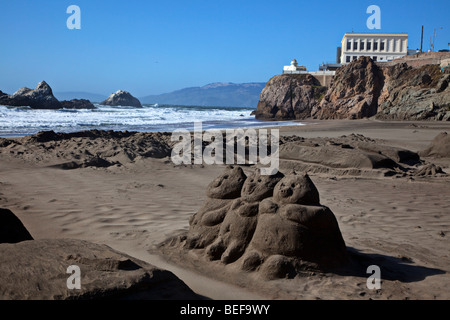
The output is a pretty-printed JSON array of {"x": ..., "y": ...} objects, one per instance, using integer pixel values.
[{"x": 24, "y": 120}]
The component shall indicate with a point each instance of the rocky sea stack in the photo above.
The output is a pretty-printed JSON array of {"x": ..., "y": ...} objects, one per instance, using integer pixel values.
[
  {"x": 122, "y": 98},
  {"x": 39, "y": 98}
]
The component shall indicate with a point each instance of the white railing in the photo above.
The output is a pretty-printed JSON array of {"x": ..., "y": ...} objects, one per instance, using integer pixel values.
[{"x": 314, "y": 73}]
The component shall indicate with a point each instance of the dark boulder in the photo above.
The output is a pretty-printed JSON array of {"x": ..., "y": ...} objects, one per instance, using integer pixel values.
[{"x": 11, "y": 228}]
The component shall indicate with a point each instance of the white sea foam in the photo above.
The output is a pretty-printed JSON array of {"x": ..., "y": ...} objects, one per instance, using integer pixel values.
[{"x": 19, "y": 121}]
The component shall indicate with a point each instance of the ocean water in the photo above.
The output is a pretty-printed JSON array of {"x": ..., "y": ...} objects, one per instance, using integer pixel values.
[{"x": 21, "y": 121}]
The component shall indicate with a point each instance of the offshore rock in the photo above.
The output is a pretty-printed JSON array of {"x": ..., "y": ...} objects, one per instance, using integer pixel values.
[
  {"x": 39, "y": 98},
  {"x": 122, "y": 98},
  {"x": 77, "y": 104}
]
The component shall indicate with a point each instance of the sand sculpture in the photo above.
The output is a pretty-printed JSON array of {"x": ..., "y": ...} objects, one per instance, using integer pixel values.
[{"x": 274, "y": 225}]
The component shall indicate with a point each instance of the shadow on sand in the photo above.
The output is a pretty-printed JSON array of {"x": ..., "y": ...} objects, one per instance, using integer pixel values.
[{"x": 391, "y": 268}]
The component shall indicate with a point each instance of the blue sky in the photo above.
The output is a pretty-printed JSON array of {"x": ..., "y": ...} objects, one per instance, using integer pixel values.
[{"x": 152, "y": 47}]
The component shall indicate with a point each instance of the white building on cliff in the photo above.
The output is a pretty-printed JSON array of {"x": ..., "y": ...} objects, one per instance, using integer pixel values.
[
  {"x": 378, "y": 46},
  {"x": 324, "y": 76},
  {"x": 294, "y": 67}
]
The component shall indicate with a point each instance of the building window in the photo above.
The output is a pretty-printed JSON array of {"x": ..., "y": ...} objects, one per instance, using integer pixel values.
[
  {"x": 374, "y": 58},
  {"x": 369, "y": 45},
  {"x": 355, "y": 45},
  {"x": 382, "y": 46},
  {"x": 375, "y": 46},
  {"x": 347, "y": 59},
  {"x": 361, "y": 45},
  {"x": 354, "y": 58},
  {"x": 349, "y": 45}
]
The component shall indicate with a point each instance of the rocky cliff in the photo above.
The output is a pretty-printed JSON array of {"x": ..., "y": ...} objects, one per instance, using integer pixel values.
[
  {"x": 289, "y": 96},
  {"x": 409, "y": 93},
  {"x": 361, "y": 89},
  {"x": 354, "y": 92}
]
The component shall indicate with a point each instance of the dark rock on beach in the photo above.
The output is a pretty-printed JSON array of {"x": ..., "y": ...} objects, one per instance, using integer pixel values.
[{"x": 11, "y": 228}]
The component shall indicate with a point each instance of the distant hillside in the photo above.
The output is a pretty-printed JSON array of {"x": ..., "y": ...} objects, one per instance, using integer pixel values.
[
  {"x": 93, "y": 97},
  {"x": 214, "y": 94}
]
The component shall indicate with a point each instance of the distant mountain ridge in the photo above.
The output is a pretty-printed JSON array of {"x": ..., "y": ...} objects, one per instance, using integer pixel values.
[
  {"x": 217, "y": 94},
  {"x": 220, "y": 94}
]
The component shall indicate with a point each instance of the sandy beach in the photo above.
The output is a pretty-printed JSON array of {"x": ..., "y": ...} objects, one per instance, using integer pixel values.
[{"x": 401, "y": 223}]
